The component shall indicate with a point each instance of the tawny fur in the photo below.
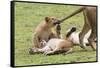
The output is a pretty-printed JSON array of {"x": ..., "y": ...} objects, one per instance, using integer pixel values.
[
  {"x": 43, "y": 32},
  {"x": 90, "y": 23}
]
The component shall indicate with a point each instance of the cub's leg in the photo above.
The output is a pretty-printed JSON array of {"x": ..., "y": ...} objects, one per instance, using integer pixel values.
[
  {"x": 68, "y": 51},
  {"x": 52, "y": 51}
]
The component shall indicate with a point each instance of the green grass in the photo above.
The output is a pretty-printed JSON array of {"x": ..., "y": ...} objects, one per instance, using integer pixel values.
[{"x": 28, "y": 16}]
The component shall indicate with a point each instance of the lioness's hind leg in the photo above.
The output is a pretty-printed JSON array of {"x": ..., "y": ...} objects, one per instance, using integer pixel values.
[
  {"x": 92, "y": 40},
  {"x": 85, "y": 29}
]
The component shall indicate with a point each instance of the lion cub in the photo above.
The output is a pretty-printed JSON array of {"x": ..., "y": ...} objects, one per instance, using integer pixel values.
[{"x": 43, "y": 32}]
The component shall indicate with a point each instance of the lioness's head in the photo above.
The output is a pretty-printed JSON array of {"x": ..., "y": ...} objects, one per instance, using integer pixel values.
[{"x": 51, "y": 21}]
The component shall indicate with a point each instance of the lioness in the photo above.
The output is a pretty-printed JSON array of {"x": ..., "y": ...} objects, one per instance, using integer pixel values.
[{"x": 89, "y": 13}]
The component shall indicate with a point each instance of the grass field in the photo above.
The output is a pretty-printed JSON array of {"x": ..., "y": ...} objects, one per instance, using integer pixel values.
[{"x": 28, "y": 16}]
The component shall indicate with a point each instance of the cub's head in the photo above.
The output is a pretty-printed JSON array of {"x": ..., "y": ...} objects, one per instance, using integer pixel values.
[{"x": 51, "y": 21}]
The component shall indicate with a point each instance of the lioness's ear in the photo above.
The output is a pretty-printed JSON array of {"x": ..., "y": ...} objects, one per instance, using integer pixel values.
[{"x": 47, "y": 19}]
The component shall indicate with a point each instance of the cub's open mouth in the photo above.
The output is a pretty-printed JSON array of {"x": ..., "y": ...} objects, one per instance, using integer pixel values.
[{"x": 57, "y": 22}]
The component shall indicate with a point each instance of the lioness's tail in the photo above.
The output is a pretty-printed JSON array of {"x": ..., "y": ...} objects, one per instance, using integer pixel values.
[{"x": 74, "y": 13}]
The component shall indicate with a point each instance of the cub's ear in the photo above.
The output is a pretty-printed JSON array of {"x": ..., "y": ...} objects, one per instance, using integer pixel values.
[{"x": 47, "y": 19}]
